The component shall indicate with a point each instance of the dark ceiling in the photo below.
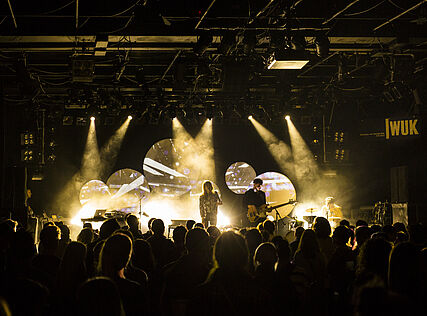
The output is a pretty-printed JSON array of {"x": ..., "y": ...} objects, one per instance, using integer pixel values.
[{"x": 144, "y": 53}]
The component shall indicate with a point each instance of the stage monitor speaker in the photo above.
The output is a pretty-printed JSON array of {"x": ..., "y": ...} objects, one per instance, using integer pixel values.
[{"x": 399, "y": 184}]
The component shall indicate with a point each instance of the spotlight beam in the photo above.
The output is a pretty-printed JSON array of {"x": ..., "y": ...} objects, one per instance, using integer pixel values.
[
  {"x": 199, "y": 153},
  {"x": 306, "y": 168},
  {"x": 111, "y": 149},
  {"x": 280, "y": 151}
]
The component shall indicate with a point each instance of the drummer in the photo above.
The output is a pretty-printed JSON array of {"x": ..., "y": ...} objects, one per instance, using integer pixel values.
[{"x": 331, "y": 211}]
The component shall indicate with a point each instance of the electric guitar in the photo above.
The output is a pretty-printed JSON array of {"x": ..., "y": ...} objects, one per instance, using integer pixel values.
[{"x": 254, "y": 213}]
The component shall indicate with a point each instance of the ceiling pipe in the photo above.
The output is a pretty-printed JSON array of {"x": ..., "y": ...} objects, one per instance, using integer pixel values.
[
  {"x": 262, "y": 11},
  {"x": 170, "y": 65},
  {"x": 77, "y": 14},
  {"x": 399, "y": 15},
  {"x": 204, "y": 14},
  {"x": 339, "y": 12},
  {"x": 12, "y": 14},
  {"x": 317, "y": 64}
]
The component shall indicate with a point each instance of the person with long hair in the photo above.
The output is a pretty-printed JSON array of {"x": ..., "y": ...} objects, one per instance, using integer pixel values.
[
  {"x": 114, "y": 258},
  {"x": 208, "y": 204}
]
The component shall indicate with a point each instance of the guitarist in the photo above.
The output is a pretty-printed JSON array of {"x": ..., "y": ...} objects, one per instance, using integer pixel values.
[{"x": 254, "y": 196}]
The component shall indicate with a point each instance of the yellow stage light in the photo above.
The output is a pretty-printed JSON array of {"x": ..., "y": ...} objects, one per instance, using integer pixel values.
[
  {"x": 92, "y": 118},
  {"x": 250, "y": 117},
  {"x": 287, "y": 117}
]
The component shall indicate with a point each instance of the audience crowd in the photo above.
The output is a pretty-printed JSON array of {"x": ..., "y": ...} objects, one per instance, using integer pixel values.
[{"x": 352, "y": 270}]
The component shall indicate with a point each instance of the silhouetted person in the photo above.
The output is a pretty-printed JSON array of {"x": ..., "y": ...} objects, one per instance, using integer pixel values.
[
  {"x": 363, "y": 233},
  {"x": 199, "y": 225},
  {"x": 93, "y": 249},
  {"x": 142, "y": 256},
  {"x": 160, "y": 245},
  {"x": 372, "y": 262},
  {"x": 403, "y": 273},
  {"x": 253, "y": 239},
  {"x": 322, "y": 228},
  {"x": 294, "y": 245},
  {"x": 99, "y": 297},
  {"x": 341, "y": 269},
  {"x": 115, "y": 255},
  {"x": 148, "y": 233},
  {"x": 65, "y": 239},
  {"x": 361, "y": 222},
  {"x": 190, "y": 223},
  {"x": 178, "y": 237},
  {"x": 47, "y": 260},
  {"x": 71, "y": 274},
  {"x": 309, "y": 275},
  {"x": 214, "y": 233},
  {"x": 85, "y": 236},
  {"x": 230, "y": 290},
  {"x": 265, "y": 259},
  {"x": 133, "y": 224},
  {"x": 183, "y": 276}
]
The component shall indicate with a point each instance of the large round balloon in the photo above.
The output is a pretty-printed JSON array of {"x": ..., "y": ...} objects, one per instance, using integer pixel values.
[
  {"x": 165, "y": 168},
  {"x": 94, "y": 191},
  {"x": 128, "y": 188},
  {"x": 278, "y": 190},
  {"x": 239, "y": 176}
]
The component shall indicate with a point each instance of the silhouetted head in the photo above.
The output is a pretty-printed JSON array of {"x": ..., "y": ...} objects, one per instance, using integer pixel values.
[
  {"x": 22, "y": 248},
  {"x": 108, "y": 228},
  {"x": 298, "y": 232},
  {"x": 72, "y": 270},
  {"x": 132, "y": 221},
  {"x": 87, "y": 225},
  {"x": 99, "y": 296},
  {"x": 345, "y": 222},
  {"x": 389, "y": 232},
  {"x": 265, "y": 255},
  {"x": 142, "y": 256},
  {"x": 374, "y": 256},
  {"x": 269, "y": 226},
  {"x": 213, "y": 232},
  {"x": 65, "y": 232},
  {"x": 158, "y": 227},
  {"x": 399, "y": 227},
  {"x": 309, "y": 245},
  {"x": 199, "y": 225},
  {"x": 178, "y": 234},
  {"x": 115, "y": 255},
  {"x": 363, "y": 233},
  {"x": 322, "y": 227},
  {"x": 230, "y": 252},
  {"x": 85, "y": 236},
  {"x": 196, "y": 240},
  {"x": 283, "y": 250},
  {"x": 341, "y": 235},
  {"x": 49, "y": 237},
  {"x": 190, "y": 223},
  {"x": 253, "y": 239},
  {"x": 361, "y": 222},
  {"x": 150, "y": 222}
]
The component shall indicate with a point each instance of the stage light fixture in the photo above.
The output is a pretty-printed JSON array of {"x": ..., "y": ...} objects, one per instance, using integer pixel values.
[
  {"x": 129, "y": 117},
  {"x": 92, "y": 118},
  {"x": 250, "y": 117},
  {"x": 287, "y": 59},
  {"x": 287, "y": 117}
]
